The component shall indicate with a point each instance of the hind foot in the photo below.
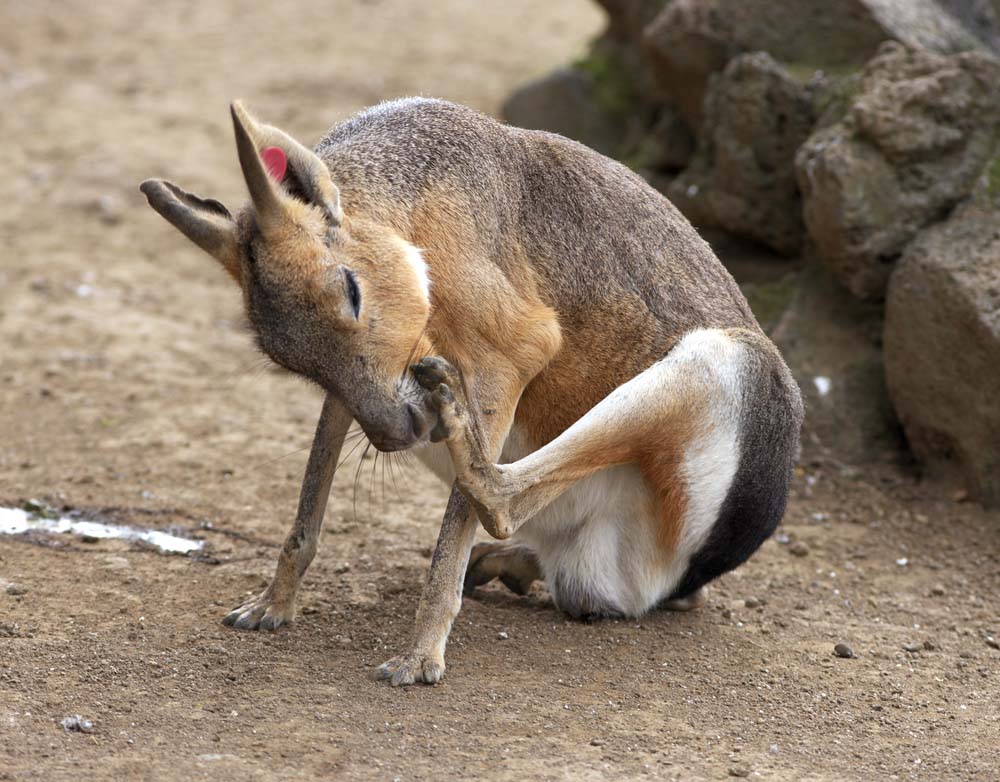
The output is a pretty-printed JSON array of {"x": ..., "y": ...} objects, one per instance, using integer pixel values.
[
  {"x": 693, "y": 601},
  {"x": 516, "y": 566},
  {"x": 444, "y": 384}
]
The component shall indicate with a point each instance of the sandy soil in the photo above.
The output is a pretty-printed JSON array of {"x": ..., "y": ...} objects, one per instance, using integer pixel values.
[{"x": 128, "y": 389}]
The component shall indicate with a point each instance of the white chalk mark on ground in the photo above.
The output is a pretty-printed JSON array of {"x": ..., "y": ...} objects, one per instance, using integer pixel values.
[{"x": 15, "y": 521}]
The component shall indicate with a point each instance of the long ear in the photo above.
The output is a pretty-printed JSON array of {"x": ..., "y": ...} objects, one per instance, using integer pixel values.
[
  {"x": 205, "y": 222},
  {"x": 307, "y": 173}
]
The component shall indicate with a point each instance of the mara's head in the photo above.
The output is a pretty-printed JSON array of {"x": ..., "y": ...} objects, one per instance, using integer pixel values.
[{"x": 341, "y": 301}]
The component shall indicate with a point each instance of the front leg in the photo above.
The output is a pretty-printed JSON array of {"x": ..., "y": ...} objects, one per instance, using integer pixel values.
[
  {"x": 440, "y": 600},
  {"x": 275, "y": 606}
]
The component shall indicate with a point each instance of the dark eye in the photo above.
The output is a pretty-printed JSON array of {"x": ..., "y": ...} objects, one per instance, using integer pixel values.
[{"x": 353, "y": 292}]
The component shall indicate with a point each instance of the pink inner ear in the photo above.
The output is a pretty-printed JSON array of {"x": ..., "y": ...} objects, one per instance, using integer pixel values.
[{"x": 275, "y": 161}]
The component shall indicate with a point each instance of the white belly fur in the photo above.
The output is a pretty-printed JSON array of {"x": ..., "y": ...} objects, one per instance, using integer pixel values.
[{"x": 597, "y": 540}]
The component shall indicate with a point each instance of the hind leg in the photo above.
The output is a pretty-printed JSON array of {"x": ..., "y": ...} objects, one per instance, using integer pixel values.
[
  {"x": 678, "y": 420},
  {"x": 515, "y": 565}
]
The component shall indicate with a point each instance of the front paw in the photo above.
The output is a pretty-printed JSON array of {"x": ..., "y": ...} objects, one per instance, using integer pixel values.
[
  {"x": 410, "y": 669},
  {"x": 263, "y": 612}
]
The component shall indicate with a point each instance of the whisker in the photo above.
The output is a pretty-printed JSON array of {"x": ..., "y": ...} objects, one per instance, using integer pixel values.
[
  {"x": 371, "y": 485},
  {"x": 392, "y": 476},
  {"x": 353, "y": 449},
  {"x": 251, "y": 370},
  {"x": 357, "y": 477},
  {"x": 268, "y": 462},
  {"x": 386, "y": 459}
]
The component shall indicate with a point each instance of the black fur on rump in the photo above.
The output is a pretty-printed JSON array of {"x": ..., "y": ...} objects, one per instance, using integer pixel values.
[{"x": 771, "y": 416}]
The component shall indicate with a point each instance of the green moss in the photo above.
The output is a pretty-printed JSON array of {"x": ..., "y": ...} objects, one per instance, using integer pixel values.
[
  {"x": 833, "y": 97},
  {"x": 769, "y": 300},
  {"x": 613, "y": 89},
  {"x": 993, "y": 179},
  {"x": 804, "y": 72},
  {"x": 642, "y": 157}
]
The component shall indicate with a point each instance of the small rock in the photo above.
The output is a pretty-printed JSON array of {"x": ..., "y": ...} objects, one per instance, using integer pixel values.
[
  {"x": 309, "y": 610},
  {"x": 77, "y": 724},
  {"x": 844, "y": 651},
  {"x": 109, "y": 208},
  {"x": 912, "y": 647},
  {"x": 739, "y": 771},
  {"x": 799, "y": 548},
  {"x": 992, "y": 642},
  {"x": 597, "y": 742},
  {"x": 502, "y": 636},
  {"x": 937, "y": 591},
  {"x": 752, "y": 602},
  {"x": 930, "y": 646},
  {"x": 16, "y": 590},
  {"x": 341, "y": 569}
]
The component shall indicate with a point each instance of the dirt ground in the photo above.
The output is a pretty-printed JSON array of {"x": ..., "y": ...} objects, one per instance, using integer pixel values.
[{"x": 129, "y": 389}]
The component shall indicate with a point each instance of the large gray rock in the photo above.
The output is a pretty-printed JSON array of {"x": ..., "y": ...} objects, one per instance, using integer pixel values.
[
  {"x": 911, "y": 146},
  {"x": 689, "y": 40},
  {"x": 831, "y": 342},
  {"x": 942, "y": 347},
  {"x": 742, "y": 178},
  {"x": 628, "y": 18},
  {"x": 979, "y": 17}
]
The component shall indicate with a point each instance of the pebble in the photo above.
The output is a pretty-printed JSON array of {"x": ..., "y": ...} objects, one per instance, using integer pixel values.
[
  {"x": 109, "y": 208},
  {"x": 937, "y": 591},
  {"x": 597, "y": 742},
  {"x": 752, "y": 602},
  {"x": 799, "y": 548},
  {"x": 843, "y": 650},
  {"x": 739, "y": 771},
  {"x": 16, "y": 590},
  {"x": 992, "y": 642},
  {"x": 77, "y": 724},
  {"x": 341, "y": 569},
  {"x": 502, "y": 636},
  {"x": 912, "y": 647}
]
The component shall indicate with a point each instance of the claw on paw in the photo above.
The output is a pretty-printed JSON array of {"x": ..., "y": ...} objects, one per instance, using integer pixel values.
[{"x": 432, "y": 371}]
